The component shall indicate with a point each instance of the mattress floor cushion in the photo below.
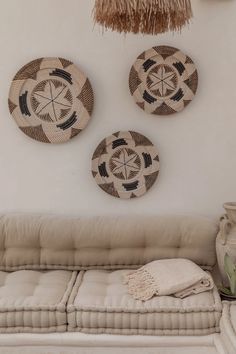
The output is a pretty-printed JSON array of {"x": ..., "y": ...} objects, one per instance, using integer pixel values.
[
  {"x": 100, "y": 303},
  {"x": 34, "y": 301}
]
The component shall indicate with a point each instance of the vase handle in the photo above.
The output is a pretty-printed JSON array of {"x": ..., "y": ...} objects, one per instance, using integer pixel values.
[{"x": 225, "y": 226}]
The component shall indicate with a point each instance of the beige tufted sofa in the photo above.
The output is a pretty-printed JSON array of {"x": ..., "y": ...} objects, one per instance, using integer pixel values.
[{"x": 61, "y": 283}]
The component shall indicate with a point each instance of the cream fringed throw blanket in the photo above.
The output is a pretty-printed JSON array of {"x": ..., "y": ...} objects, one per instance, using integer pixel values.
[{"x": 179, "y": 277}]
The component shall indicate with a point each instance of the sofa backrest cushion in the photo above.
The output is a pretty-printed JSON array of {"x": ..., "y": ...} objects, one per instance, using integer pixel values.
[{"x": 74, "y": 243}]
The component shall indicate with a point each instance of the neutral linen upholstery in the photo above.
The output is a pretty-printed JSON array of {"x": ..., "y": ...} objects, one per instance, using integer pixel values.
[
  {"x": 33, "y": 301},
  {"x": 100, "y": 303},
  {"x": 228, "y": 326},
  {"x": 72, "y": 243}
]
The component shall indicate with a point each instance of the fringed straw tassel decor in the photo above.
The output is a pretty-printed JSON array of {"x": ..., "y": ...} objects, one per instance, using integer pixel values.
[{"x": 143, "y": 16}]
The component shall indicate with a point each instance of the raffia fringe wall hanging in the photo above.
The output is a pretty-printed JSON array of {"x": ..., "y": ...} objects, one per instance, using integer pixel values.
[{"x": 143, "y": 16}]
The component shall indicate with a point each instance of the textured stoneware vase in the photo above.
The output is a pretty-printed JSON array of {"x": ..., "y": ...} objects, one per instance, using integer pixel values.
[
  {"x": 231, "y": 211},
  {"x": 226, "y": 239}
]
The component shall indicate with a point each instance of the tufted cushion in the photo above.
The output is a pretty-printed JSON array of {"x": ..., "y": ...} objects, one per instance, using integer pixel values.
[
  {"x": 32, "y": 301},
  {"x": 50, "y": 242},
  {"x": 100, "y": 303},
  {"x": 228, "y": 326}
]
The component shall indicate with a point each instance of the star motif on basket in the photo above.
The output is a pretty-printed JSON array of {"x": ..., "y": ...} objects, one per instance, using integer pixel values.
[
  {"x": 52, "y": 101},
  {"x": 126, "y": 164},
  {"x": 162, "y": 80}
]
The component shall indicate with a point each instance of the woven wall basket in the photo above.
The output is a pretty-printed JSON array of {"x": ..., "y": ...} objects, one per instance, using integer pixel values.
[
  {"x": 125, "y": 165},
  {"x": 163, "y": 80},
  {"x": 51, "y": 100}
]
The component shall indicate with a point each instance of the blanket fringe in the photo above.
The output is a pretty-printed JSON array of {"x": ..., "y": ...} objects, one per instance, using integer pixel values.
[{"x": 141, "y": 285}]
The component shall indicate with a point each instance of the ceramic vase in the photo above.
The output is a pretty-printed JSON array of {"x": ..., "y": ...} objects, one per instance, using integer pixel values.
[{"x": 226, "y": 239}]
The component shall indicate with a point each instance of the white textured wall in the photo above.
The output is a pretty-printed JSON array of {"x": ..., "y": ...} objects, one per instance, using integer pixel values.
[{"x": 197, "y": 147}]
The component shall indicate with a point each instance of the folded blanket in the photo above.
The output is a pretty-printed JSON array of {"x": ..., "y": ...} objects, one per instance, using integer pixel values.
[{"x": 178, "y": 277}]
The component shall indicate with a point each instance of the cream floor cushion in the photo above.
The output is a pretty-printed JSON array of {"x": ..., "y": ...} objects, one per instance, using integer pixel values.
[
  {"x": 34, "y": 301},
  {"x": 228, "y": 326},
  {"x": 100, "y": 303}
]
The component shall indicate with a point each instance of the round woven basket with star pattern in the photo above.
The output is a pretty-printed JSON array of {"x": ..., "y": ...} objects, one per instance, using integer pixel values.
[
  {"x": 163, "y": 80},
  {"x": 51, "y": 100},
  {"x": 125, "y": 165}
]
